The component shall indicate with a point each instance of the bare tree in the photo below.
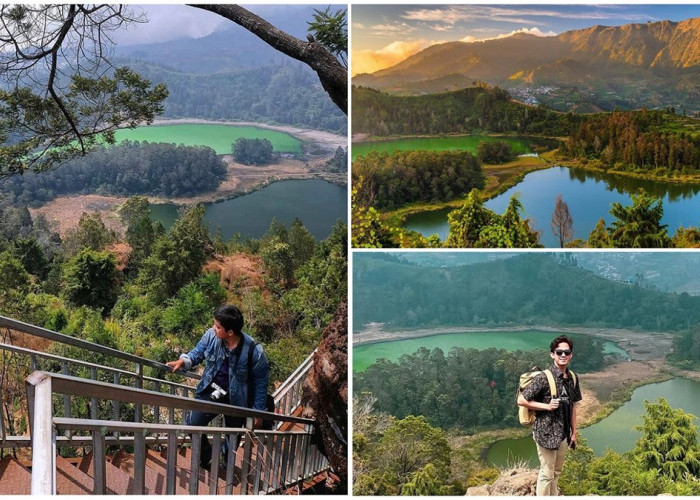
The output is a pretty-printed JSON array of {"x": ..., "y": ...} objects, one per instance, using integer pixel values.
[
  {"x": 62, "y": 92},
  {"x": 63, "y": 96},
  {"x": 333, "y": 76},
  {"x": 562, "y": 223}
]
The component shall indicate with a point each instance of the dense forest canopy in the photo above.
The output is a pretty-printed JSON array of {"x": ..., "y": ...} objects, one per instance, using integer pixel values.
[
  {"x": 130, "y": 168},
  {"x": 392, "y": 180},
  {"x": 425, "y": 383},
  {"x": 528, "y": 289}
]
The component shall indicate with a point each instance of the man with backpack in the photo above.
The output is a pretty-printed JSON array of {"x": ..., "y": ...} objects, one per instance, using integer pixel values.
[
  {"x": 554, "y": 398},
  {"x": 236, "y": 373}
]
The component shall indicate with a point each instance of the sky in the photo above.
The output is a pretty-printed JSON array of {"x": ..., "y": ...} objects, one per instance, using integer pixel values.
[
  {"x": 384, "y": 35},
  {"x": 170, "y": 21}
]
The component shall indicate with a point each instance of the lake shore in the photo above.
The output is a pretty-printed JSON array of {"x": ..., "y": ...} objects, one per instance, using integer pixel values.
[
  {"x": 240, "y": 179},
  {"x": 641, "y": 346}
]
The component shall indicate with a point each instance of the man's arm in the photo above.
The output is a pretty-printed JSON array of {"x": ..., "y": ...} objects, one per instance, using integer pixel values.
[
  {"x": 574, "y": 425},
  {"x": 535, "y": 405},
  {"x": 194, "y": 357}
]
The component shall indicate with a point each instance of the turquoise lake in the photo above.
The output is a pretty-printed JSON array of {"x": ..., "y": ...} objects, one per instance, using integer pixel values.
[{"x": 615, "y": 431}]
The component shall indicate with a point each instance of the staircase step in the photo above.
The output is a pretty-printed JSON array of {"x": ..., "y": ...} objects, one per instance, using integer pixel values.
[
  {"x": 15, "y": 479},
  {"x": 72, "y": 481},
  {"x": 155, "y": 477},
  {"x": 117, "y": 480},
  {"x": 183, "y": 462}
]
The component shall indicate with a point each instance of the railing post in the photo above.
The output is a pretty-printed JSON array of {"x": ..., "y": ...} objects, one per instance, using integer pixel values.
[
  {"x": 98, "y": 463},
  {"x": 43, "y": 439},
  {"x": 247, "y": 452},
  {"x": 138, "y": 415},
  {"x": 171, "y": 463}
]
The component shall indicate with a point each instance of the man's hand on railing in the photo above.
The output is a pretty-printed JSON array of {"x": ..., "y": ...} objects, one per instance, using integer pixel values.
[{"x": 176, "y": 365}]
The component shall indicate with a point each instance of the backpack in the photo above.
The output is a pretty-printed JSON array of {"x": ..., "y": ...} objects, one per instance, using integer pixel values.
[
  {"x": 526, "y": 416},
  {"x": 269, "y": 402}
]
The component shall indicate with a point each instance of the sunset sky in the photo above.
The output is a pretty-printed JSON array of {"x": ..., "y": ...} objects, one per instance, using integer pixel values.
[{"x": 383, "y": 35}]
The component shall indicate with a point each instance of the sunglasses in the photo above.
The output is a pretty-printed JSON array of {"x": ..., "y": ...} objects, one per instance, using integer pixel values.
[{"x": 562, "y": 352}]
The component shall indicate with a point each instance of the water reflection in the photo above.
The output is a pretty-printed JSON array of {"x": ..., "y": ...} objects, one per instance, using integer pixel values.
[{"x": 589, "y": 196}]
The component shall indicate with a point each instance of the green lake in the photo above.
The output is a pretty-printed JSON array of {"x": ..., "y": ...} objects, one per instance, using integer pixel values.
[
  {"x": 365, "y": 354},
  {"x": 615, "y": 431},
  {"x": 218, "y": 137},
  {"x": 588, "y": 195},
  {"x": 317, "y": 203},
  {"x": 448, "y": 143}
]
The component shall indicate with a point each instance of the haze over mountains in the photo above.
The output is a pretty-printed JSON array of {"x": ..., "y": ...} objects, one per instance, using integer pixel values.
[
  {"x": 233, "y": 75},
  {"x": 634, "y": 65}
]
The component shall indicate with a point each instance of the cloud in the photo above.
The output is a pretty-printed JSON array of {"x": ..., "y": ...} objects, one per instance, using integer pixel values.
[
  {"x": 530, "y": 31},
  {"x": 454, "y": 14},
  {"x": 168, "y": 22},
  {"x": 369, "y": 61}
]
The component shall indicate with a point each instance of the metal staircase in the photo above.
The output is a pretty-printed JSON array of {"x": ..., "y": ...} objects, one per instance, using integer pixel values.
[{"x": 125, "y": 431}]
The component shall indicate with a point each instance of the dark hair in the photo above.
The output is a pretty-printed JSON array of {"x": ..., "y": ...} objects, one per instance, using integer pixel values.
[
  {"x": 559, "y": 340},
  {"x": 230, "y": 318}
]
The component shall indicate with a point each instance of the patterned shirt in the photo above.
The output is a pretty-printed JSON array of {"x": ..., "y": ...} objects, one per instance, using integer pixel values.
[{"x": 548, "y": 429}]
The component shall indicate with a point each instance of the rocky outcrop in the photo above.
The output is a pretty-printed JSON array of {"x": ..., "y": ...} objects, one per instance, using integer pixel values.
[
  {"x": 325, "y": 395},
  {"x": 515, "y": 482}
]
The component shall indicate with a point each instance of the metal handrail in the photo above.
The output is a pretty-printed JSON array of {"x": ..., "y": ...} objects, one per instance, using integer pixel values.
[
  {"x": 301, "y": 370},
  {"x": 279, "y": 460},
  {"x": 76, "y": 386},
  {"x": 87, "y": 364},
  {"x": 84, "y": 344}
]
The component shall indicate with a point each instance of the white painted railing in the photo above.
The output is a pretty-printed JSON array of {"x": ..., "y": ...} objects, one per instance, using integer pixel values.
[{"x": 271, "y": 460}]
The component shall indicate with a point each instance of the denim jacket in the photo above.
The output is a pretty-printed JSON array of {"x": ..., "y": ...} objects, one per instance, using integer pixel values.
[{"x": 213, "y": 350}]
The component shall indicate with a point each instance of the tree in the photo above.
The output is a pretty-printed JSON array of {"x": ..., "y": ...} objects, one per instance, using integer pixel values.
[
  {"x": 91, "y": 280},
  {"x": 177, "y": 258},
  {"x": 562, "y": 223},
  {"x": 639, "y": 225},
  {"x": 409, "y": 445},
  {"x": 333, "y": 75},
  {"x": 669, "y": 441},
  {"x": 600, "y": 237},
  {"x": 62, "y": 95},
  {"x": 252, "y": 151},
  {"x": 495, "y": 152},
  {"x": 91, "y": 233},
  {"x": 331, "y": 30}
]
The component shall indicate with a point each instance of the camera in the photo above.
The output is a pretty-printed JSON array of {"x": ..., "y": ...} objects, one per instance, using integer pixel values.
[{"x": 216, "y": 392}]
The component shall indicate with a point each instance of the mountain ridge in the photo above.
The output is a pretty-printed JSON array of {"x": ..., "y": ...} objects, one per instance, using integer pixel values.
[{"x": 634, "y": 65}]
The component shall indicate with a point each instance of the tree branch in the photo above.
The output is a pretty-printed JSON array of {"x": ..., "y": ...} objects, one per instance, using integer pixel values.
[{"x": 332, "y": 74}]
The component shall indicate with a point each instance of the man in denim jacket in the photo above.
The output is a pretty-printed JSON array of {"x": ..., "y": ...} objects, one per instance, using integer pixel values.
[{"x": 225, "y": 379}]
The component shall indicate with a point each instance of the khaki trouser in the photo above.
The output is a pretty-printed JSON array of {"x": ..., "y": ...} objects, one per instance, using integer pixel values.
[{"x": 551, "y": 464}]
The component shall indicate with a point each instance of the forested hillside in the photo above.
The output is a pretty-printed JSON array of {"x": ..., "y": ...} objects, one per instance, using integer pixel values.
[
  {"x": 152, "y": 292},
  {"x": 464, "y": 111},
  {"x": 284, "y": 93},
  {"x": 529, "y": 289}
]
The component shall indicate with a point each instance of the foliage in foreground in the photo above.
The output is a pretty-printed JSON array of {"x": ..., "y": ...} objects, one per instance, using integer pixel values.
[{"x": 666, "y": 459}]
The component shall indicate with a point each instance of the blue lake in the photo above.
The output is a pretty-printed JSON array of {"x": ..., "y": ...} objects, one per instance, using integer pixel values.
[
  {"x": 588, "y": 195},
  {"x": 317, "y": 203}
]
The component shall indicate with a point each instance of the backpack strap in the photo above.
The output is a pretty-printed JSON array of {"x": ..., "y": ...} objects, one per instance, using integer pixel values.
[
  {"x": 573, "y": 377},
  {"x": 251, "y": 396},
  {"x": 552, "y": 384}
]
